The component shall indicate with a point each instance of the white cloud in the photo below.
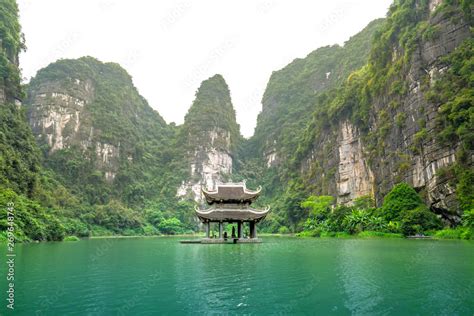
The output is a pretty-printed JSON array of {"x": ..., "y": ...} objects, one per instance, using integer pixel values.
[{"x": 169, "y": 47}]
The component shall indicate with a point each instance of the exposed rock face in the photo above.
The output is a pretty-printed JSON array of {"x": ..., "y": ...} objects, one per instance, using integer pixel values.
[
  {"x": 55, "y": 115},
  {"x": 59, "y": 116},
  {"x": 419, "y": 158},
  {"x": 410, "y": 152},
  {"x": 289, "y": 97},
  {"x": 93, "y": 109},
  {"x": 354, "y": 176},
  {"x": 208, "y": 166},
  {"x": 434, "y": 4},
  {"x": 209, "y": 138}
]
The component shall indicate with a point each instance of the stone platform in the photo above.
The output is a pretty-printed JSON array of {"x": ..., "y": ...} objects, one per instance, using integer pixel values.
[{"x": 223, "y": 241}]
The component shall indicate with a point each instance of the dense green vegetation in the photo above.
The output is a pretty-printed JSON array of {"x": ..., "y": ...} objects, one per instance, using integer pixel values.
[
  {"x": 142, "y": 196},
  {"x": 211, "y": 111},
  {"x": 12, "y": 43},
  {"x": 403, "y": 213},
  {"x": 454, "y": 92},
  {"x": 23, "y": 181},
  {"x": 292, "y": 94},
  {"x": 371, "y": 99},
  {"x": 65, "y": 192}
]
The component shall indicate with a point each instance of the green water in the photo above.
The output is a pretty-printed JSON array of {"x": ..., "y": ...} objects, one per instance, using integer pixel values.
[{"x": 156, "y": 276}]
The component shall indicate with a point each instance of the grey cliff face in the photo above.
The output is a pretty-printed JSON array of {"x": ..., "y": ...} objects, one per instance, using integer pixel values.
[
  {"x": 59, "y": 117},
  {"x": 340, "y": 163}
]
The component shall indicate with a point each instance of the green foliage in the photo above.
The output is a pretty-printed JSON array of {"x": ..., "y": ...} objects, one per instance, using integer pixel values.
[
  {"x": 116, "y": 217},
  {"x": 402, "y": 197},
  {"x": 295, "y": 97},
  {"x": 32, "y": 222},
  {"x": 74, "y": 226},
  {"x": 364, "y": 202},
  {"x": 19, "y": 155},
  {"x": 394, "y": 227},
  {"x": 457, "y": 233},
  {"x": 319, "y": 205},
  {"x": 310, "y": 233},
  {"x": 402, "y": 203},
  {"x": 336, "y": 218},
  {"x": 11, "y": 43},
  {"x": 378, "y": 234},
  {"x": 357, "y": 221},
  {"x": 431, "y": 33},
  {"x": 211, "y": 111},
  {"x": 283, "y": 230},
  {"x": 468, "y": 219},
  {"x": 400, "y": 119},
  {"x": 418, "y": 220},
  {"x": 71, "y": 238},
  {"x": 420, "y": 136},
  {"x": 302, "y": 104},
  {"x": 171, "y": 226},
  {"x": 453, "y": 91}
]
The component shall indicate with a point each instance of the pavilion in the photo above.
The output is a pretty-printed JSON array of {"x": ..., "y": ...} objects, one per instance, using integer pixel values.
[{"x": 230, "y": 203}]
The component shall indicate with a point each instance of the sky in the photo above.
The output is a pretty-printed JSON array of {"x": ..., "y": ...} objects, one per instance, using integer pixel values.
[{"x": 170, "y": 46}]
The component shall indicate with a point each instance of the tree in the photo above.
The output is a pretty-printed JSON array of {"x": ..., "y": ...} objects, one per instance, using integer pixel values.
[
  {"x": 319, "y": 205},
  {"x": 171, "y": 226},
  {"x": 402, "y": 197},
  {"x": 364, "y": 202},
  {"x": 418, "y": 220},
  {"x": 357, "y": 221}
]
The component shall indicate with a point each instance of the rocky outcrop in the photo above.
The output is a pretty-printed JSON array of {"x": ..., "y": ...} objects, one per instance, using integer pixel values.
[
  {"x": 289, "y": 96},
  {"x": 93, "y": 109},
  {"x": 408, "y": 149},
  {"x": 56, "y": 114},
  {"x": 209, "y": 136},
  {"x": 354, "y": 177},
  {"x": 413, "y": 153},
  {"x": 208, "y": 165},
  {"x": 59, "y": 117}
]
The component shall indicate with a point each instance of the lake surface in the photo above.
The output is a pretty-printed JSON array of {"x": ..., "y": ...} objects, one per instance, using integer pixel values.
[{"x": 160, "y": 276}]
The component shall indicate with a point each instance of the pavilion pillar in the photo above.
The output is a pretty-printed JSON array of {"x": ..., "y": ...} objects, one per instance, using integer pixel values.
[
  {"x": 252, "y": 229},
  {"x": 239, "y": 229},
  {"x": 220, "y": 230},
  {"x": 208, "y": 229}
]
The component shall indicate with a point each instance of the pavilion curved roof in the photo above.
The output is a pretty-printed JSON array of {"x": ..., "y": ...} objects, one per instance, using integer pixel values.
[
  {"x": 231, "y": 214},
  {"x": 231, "y": 192}
]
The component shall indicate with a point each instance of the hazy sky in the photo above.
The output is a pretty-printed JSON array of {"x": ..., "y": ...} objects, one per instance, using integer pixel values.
[{"x": 169, "y": 47}]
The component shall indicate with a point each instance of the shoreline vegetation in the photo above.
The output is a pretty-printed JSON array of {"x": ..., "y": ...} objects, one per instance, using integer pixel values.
[
  {"x": 402, "y": 215},
  {"x": 66, "y": 194}
]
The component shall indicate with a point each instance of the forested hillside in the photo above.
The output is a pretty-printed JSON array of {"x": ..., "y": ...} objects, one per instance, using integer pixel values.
[
  {"x": 36, "y": 194},
  {"x": 405, "y": 116},
  {"x": 346, "y": 136}
]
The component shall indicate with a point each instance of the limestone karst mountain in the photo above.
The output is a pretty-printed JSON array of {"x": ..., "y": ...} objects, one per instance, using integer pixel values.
[
  {"x": 209, "y": 137},
  {"x": 393, "y": 104}
]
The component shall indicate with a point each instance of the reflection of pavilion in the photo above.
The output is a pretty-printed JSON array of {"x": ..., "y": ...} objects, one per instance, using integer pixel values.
[{"x": 230, "y": 203}]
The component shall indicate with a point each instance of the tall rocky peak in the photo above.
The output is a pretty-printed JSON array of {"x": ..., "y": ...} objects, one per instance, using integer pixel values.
[
  {"x": 292, "y": 91},
  {"x": 209, "y": 136},
  {"x": 388, "y": 123},
  {"x": 86, "y": 108}
]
